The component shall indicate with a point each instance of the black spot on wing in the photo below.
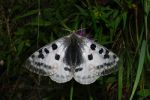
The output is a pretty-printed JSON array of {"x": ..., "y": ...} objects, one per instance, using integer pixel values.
[
  {"x": 57, "y": 56},
  {"x": 109, "y": 70},
  {"x": 46, "y": 50},
  {"x": 107, "y": 52},
  {"x": 54, "y": 46},
  {"x": 36, "y": 68},
  {"x": 114, "y": 56},
  {"x": 67, "y": 69},
  {"x": 78, "y": 69},
  {"x": 38, "y": 71},
  {"x": 100, "y": 66},
  {"x": 41, "y": 56},
  {"x": 93, "y": 46},
  {"x": 108, "y": 64},
  {"x": 106, "y": 56},
  {"x": 47, "y": 66},
  {"x": 32, "y": 56},
  {"x": 101, "y": 51},
  {"x": 62, "y": 76},
  {"x": 90, "y": 57},
  {"x": 40, "y": 51},
  {"x": 105, "y": 72},
  {"x": 40, "y": 64}
]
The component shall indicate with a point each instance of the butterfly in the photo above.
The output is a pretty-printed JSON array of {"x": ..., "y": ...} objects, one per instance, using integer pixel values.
[{"x": 73, "y": 56}]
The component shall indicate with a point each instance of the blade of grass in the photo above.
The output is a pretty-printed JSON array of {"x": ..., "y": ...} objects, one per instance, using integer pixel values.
[
  {"x": 146, "y": 10},
  {"x": 120, "y": 77},
  {"x": 91, "y": 98},
  {"x": 71, "y": 92},
  {"x": 39, "y": 13},
  {"x": 140, "y": 68}
]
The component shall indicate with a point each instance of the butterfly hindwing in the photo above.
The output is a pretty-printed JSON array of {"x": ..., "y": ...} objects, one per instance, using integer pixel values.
[
  {"x": 48, "y": 61},
  {"x": 98, "y": 61}
]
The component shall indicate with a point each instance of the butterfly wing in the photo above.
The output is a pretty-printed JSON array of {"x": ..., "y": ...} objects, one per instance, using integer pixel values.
[
  {"x": 98, "y": 61},
  {"x": 48, "y": 61}
]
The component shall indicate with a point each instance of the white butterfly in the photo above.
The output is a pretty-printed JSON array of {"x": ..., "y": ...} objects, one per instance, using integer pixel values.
[{"x": 73, "y": 56}]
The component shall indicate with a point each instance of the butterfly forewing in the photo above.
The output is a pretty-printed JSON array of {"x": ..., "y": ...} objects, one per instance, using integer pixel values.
[
  {"x": 48, "y": 61},
  {"x": 98, "y": 61}
]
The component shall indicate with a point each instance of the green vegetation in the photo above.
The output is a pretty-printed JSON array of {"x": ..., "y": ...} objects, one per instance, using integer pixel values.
[{"x": 120, "y": 25}]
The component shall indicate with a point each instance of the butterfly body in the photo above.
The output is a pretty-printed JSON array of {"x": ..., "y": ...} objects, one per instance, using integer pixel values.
[
  {"x": 73, "y": 56},
  {"x": 73, "y": 51}
]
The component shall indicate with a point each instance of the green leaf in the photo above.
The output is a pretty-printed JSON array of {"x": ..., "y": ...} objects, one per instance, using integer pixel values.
[
  {"x": 40, "y": 22},
  {"x": 124, "y": 17},
  {"x": 29, "y": 13},
  {"x": 140, "y": 68},
  {"x": 82, "y": 11},
  {"x": 20, "y": 47},
  {"x": 144, "y": 92},
  {"x": 20, "y": 31},
  {"x": 147, "y": 6},
  {"x": 120, "y": 78}
]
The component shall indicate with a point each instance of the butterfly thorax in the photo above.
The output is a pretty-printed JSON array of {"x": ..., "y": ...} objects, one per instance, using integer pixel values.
[{"x": 73, "y": 55}]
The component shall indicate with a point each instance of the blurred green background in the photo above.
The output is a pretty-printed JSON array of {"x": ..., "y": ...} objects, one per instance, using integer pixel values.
[{"x": 120, "y": 25}]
